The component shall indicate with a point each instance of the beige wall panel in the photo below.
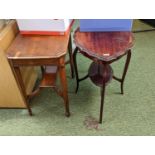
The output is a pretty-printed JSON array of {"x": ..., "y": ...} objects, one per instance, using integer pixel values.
[
  {"x": 8, "y": 34},
  {"x": 10, "y": 95}
]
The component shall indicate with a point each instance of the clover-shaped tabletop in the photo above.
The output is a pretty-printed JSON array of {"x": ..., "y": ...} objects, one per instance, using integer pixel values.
[{"x": 105, "y": 46}]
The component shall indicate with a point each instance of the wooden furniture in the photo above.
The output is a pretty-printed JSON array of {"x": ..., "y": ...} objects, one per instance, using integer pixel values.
[
  {"x": 41, "y": 51},
  {"x": 10, "y": 94},
  {"x": 103, "y": 48}
]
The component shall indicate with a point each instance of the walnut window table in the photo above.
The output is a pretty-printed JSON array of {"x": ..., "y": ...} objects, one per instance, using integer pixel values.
[
  {"x": 103, "y": 48},
  {"x": 48, "y": 52}
]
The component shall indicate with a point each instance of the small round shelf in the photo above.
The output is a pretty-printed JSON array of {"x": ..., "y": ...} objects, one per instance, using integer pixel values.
[{"x": 100, "y": 74}]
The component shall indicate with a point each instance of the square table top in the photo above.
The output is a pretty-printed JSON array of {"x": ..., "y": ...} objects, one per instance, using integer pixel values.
[{"x": 38, "y": 46}]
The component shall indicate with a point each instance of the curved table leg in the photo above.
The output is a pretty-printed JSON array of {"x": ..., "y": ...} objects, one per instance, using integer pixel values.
[
  {"x": 76, "y": 70},
  {"x": 38, "y": 89},
  {"x": 71, "y": 57},
  {"x": 100, "y": 74},
  {"x": 63, "y": 80},
  {"x": 125, "y": 70},
  {"x": 42, "y": 69},
  {"x": 121, "y": 80},
  {"x": 19, "y": 76},
  {"x": 102, "y": 102}
]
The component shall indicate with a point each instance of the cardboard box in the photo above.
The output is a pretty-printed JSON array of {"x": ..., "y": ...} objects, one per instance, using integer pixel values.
[
  {"x": 93, "y": 25},
  {"x": 44, "y": 26}
]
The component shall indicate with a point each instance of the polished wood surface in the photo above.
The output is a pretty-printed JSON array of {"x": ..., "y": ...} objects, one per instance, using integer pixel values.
[
  {"x": 41, "y": 51},
  {"x": 49, "y": 76},
  {"x": 104, "y": 46},
  {"x": 38, "y": 47},
  {"x": 100, "y": 73}
]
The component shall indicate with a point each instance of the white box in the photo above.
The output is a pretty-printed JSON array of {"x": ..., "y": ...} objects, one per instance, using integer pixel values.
[{"x": 44, "y": 26}]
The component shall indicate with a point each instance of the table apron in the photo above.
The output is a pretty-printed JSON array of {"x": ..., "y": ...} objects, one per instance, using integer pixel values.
[{"x": 34, "y": 62}]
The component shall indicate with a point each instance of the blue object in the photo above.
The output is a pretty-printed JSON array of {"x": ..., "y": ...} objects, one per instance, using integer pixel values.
[{"x": 99, "y": 25}]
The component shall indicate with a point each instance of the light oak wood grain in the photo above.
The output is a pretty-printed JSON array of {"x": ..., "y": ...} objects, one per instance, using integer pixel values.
[{"x": 10, "y": 95}]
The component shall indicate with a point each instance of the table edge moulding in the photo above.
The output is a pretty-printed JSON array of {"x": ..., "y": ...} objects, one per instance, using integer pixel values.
[{"x": 97, "y": 36}]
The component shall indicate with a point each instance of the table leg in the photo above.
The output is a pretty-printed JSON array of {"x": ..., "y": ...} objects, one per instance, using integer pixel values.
[
  {"x": 20, "y": 80},
  {"x": 63, "y": 80},
  {"x": 121, "y": 80},
  {"x": 125, "y": 70},
  {"x": 42, "y": 69},
  {"x": 102, "y": 102},
  {"x": 71, "y": 56},
  {"x": 76, "y": 69},
  {"x": 38, "y": 89},
  {"x": 100, "y": 74}
]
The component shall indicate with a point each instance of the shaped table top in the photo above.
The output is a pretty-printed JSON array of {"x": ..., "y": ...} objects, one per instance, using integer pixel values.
[{"x": 104, "y": 46}]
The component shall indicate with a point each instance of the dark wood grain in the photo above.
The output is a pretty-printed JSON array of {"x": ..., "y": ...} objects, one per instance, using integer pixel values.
[{"x": 104, "y": 46}]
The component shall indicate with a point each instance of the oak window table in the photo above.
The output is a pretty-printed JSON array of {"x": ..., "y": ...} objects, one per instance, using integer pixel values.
[{"x": 48, "y": 52}]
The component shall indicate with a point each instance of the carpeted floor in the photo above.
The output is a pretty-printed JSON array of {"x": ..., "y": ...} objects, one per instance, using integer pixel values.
[{"x": 130, "y": 114}]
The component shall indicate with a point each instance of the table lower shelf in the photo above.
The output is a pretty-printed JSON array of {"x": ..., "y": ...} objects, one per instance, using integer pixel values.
[
  {"x": 100, "y": 74},
  {"x": 49, "y": 76}
]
